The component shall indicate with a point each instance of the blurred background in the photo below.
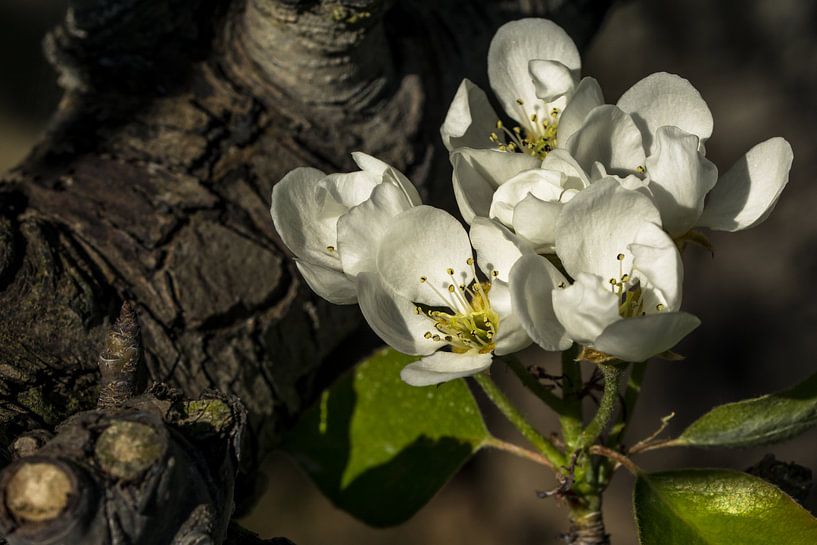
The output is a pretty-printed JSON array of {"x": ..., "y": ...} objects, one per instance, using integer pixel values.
[{"x": 755, "y": 62}]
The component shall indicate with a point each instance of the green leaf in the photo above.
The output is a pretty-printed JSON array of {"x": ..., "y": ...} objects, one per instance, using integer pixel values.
[
  {"x": 379, "y": 448},
  {"x": 717, "y": 507},
  {"x": 762, "y": 420}
]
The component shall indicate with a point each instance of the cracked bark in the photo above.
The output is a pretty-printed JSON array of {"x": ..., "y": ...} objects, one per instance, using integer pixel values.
[{"x": 152, "y": 185}]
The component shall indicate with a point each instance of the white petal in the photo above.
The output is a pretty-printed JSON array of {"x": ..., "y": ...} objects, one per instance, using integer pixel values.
[
  {"x": 299, "y": 219},
  {"x": 341, "y": 191},
  {"x": 609, "y": 136},
  {"x": 389, "y": 174},
  {"x": 666, "y": 99},
  {"x": 331, "y": 284},
  {"x": 497, "y": 248},
  {"x": 444, "y": 366},
  {"x": 361, "y": 230},
  {"x": 512, "y": 48},
  {"x": 637, "y": 339},
  {"x": 470, "y": 119},
  {"x": 631, "y": 181},
  {"x": 543, "y": 184},
  {"x": 511, "y": 336},
  {"x": 394, "y": 318},
  {"x": 748, "y": 192},
  {"x": 551, "y": 79},
  {"x": 586, "y": 308},
  {"x": 424, "y": 242},
  {"x": 598, "y": 224},
  {"x": 561, "y": 161},
  {"x": 535, "y": 221},
  {"x": 657, "y": 262},
  {"x": 478, "y": 173},
  {"x": 532, "y": 282},
  {"x": 680, "y": 179},
  {"x": 585, "y": 98}
]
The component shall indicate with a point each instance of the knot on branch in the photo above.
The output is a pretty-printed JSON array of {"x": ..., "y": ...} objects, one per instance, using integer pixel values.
[
  {"x": 327, "y": 53},
  {"x": 98, "y": 479},
  {"x": 120, "y": 363}
]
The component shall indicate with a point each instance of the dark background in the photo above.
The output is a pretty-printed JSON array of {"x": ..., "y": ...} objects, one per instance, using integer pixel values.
[{"x": 755, "y": 62}]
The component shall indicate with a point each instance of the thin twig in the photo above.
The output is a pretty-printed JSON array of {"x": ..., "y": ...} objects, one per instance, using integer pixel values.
[
  {"x": 619, "y": 458},
  {"x": 518, "y": 451},
  {"x": 645, "y": 442}
]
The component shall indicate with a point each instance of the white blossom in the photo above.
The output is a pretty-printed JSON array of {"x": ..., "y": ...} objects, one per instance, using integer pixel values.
[
  {"x": 333, "y": 223},
  {"x": 626, "y": 273},
  {"x": 533, "y": 69},
  {"x": 654, "y": 140},
  {"x": 427, "y": 298}
]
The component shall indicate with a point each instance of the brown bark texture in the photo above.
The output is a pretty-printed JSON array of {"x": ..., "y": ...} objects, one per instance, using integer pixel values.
[{"x": 152, "y": 185}]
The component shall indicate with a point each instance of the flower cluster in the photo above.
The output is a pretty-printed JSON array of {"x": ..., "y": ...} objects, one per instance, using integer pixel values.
[{"x": 577, "y": 209}]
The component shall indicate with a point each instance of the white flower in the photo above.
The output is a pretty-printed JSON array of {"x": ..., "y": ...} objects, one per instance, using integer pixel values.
[
  {"x": 627, "y": 274},
  {"x": 654, "y": 139},
  {"x": 533, "y": 68},
  {"x": 425, "y": 297},
  {"x": 333, "y": 223},
  {"x": 520, "y": 191}
]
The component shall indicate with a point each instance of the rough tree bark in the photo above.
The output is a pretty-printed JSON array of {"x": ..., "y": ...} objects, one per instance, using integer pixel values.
[{"x": 152, "y": 185}]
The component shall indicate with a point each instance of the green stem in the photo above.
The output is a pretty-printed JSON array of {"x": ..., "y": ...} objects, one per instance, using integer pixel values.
[
  {"x": 571, "y": 417},
  {"x": 515, "y": 417},
  {"x": 531, "y": 383},
  {"x": 639, "y": 370},
  {"x": 607, "y": 406}
]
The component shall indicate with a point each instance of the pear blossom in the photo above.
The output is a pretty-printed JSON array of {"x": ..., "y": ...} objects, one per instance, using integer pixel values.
[
  {"x": 333, "y": 223},
  {"x": 622, "y": 295},
  {"x": 533, "y": 69},
  {"x": 521, "y": 176},
  {"x": 527, "y": 202},
  {"x": 426, "y": 296},
  {"x": 654, "y": 139}
]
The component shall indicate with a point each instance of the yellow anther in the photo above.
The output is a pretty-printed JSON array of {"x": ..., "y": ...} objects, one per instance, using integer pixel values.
[
  {"x": 494, "y": 273},
  {"x": 498, "y": 123},
  {"x": 620, "y": 257},
  {"x": 641, "y": 169},
  {"x": 330, "y": 249},
  {"x": 520, "y": 101},
  {"x": 562, "y": 285},
  {"x": 613, "y": 281},
  {"x": 423, "y": 279},
  {"x": 418, "y": 310},
  {"x": 427, "y": 334},
  {"x": 469, "y": 261},
  {"x": 625, "y": 278},
  {"x": 435, "y": 338},
  {"x": 534, "y": 117},
  {"x": 451, "y": 288},
  {"x": 659, "y": 307},
  {"x": 450, "y": 271}
]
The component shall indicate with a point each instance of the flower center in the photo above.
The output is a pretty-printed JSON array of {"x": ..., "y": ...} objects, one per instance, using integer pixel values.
[
  {"x": 465, "y": 319},
  {"x": 628, "y": 290},
  {"x": 537, "y": 140}
]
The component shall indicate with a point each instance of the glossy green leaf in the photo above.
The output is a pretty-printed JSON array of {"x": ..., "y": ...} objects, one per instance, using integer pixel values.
[
  {"x": 717, "y": 507},
  {"x": 379, "y": 448},
  {"x": 757, "y": 421}
]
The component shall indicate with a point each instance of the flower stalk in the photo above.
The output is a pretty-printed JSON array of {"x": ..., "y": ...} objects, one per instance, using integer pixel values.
[
  {"x": 544, "y": 445},
  {"x": 607, "y": 406}
]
